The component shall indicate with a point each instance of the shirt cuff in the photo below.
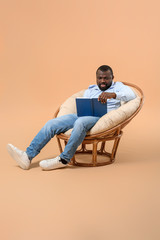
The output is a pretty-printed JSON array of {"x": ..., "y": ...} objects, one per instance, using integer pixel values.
[{"x": 119, "y": 95}]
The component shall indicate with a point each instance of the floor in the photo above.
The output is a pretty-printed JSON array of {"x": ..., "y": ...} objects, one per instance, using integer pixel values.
[{"x": 117, "y": 201}]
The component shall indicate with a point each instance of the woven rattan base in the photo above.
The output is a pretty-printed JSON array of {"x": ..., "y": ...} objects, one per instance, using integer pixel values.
[{"x": 108, "y": 157}]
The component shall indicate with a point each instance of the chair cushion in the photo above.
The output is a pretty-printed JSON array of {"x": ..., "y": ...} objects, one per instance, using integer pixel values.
[
  {"x": 69, "y": 106},
  {"x": 106, "y": 122}
]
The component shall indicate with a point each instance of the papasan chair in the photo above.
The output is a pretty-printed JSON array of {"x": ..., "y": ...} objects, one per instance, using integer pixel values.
[{"x": 108, "y": 128}]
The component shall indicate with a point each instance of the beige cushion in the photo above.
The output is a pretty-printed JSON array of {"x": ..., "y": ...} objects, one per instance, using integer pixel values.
[
  {"x": 106, "y": 122},
  {"x": 69, "y": 106}
]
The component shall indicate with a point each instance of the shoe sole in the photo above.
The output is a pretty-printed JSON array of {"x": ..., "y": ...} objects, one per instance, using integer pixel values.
[{"x": 16, "y": 157}]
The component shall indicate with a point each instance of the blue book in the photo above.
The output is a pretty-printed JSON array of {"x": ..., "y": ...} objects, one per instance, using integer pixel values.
[{"x": 90, "y": 107}]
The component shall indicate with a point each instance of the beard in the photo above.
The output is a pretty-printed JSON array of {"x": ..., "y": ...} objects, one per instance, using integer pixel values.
[{"x": 104, "y": 86}]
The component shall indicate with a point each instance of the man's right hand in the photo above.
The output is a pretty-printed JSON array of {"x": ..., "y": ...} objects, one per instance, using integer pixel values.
[{"x": 106, "y": 95}]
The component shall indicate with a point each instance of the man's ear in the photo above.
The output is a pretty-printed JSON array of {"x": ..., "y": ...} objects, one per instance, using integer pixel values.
[{"x": 113, "y": 77}]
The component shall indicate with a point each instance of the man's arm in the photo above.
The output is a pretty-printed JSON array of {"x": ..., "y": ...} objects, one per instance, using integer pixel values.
[{"x": 121, "y": 92}]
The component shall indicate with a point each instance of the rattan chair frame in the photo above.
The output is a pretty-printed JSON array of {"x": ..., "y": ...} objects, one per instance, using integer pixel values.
[{"x": 113, "y": 134}]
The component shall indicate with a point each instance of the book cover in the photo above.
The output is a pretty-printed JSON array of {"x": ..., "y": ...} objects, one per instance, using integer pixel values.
[{"x": 90, "y": 107}]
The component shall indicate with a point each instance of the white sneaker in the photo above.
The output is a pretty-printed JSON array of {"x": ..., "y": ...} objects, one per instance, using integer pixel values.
[
  {"x": 53, "y": 163},
  {"x": 20, "y": 156}
]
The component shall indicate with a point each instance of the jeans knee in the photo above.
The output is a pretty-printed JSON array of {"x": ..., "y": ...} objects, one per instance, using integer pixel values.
[
  {"x": 48, "y": 127},
  {"x": 79, "y": 125},
  {"x": 86, "y": 123},
  {"x": 48, "y": 124}
]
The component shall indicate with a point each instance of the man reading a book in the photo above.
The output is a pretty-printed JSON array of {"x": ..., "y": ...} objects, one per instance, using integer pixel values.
[{"x": 106, "y": 90}]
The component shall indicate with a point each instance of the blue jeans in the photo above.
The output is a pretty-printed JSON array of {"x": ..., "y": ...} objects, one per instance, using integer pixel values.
[{"x": 59, "y": 125}]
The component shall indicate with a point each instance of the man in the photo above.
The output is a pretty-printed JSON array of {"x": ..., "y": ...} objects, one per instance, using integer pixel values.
[{"x": 106, "y": 90}]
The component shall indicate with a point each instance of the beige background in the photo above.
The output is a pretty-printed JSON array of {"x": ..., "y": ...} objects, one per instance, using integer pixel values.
[{"x": 48, "y": 51}]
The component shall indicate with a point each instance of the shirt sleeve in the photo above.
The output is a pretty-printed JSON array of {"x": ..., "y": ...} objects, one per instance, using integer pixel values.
[{"x": 124, "y": 93}]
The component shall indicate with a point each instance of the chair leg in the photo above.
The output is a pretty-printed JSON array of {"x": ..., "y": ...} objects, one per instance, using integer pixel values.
[
  {"x": 59, "y": 144},
  {"x": 114, "y": 149},
  {"x": 94, "y": 153},
  {"x": 102, "y": 147},
  {"x": 73, "y": 161}
]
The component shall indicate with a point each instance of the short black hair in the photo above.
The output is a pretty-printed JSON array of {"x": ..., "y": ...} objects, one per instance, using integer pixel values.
[{"x": 105, "y": 68}]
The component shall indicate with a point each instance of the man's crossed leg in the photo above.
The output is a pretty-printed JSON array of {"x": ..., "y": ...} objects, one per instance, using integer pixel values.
[{"x": 53, "y": 127}]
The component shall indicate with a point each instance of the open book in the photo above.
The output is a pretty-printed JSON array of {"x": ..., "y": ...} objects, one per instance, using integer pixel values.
[{"x": 90, "y": 107}]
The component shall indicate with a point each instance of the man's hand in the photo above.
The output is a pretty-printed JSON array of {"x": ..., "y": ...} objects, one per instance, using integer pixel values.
[{"x": 106, "y": 95}]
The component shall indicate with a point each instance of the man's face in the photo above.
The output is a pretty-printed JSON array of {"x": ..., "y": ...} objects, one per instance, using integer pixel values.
[{"x": 104, "y": 79}]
